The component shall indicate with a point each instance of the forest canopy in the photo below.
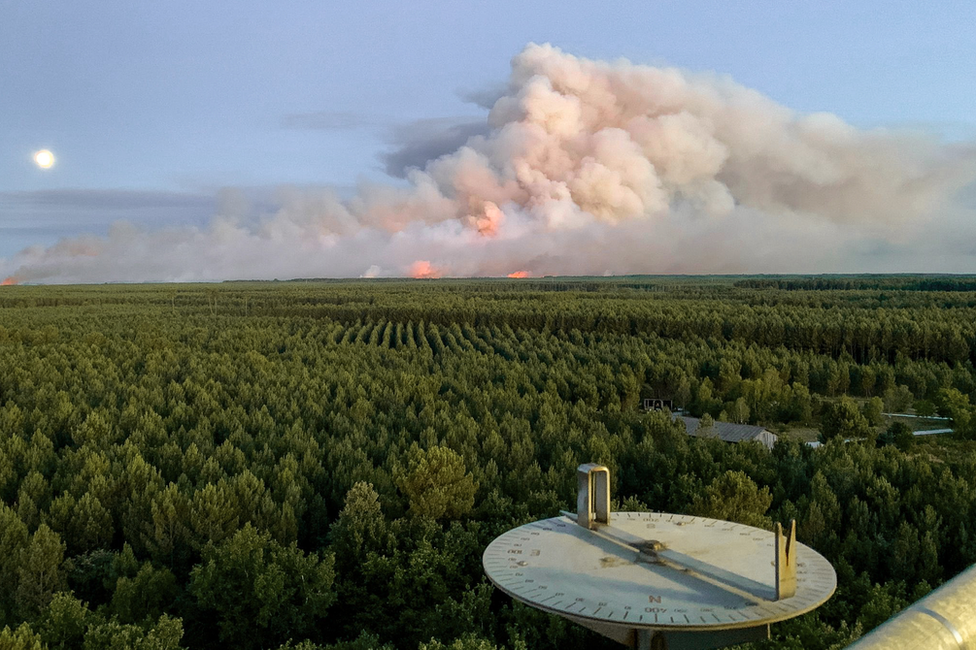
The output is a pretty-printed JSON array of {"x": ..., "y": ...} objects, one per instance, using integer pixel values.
[{"x": 320, "y": 464}]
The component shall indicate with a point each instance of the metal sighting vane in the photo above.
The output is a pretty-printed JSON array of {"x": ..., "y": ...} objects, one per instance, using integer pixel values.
[{"x": 658, "y": 581}]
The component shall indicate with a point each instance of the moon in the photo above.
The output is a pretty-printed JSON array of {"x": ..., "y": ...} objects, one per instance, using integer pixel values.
[{"x": 44, "y": 159}]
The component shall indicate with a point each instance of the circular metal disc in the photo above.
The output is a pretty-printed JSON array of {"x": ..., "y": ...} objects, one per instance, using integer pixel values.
[{"x": 559, "y": 566}]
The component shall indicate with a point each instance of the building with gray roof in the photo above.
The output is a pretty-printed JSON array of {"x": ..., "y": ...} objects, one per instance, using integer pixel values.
[{"x": 728, "y": 431}]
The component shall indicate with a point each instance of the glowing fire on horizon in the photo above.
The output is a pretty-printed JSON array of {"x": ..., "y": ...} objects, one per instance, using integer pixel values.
[
  {"x": 424, "y": 270},
  {"x": 520, "y": 274},
  {"x": 9, "y": 282}
]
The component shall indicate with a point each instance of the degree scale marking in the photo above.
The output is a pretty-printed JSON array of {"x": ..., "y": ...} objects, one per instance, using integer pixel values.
[{"x": 566, "y": 575}]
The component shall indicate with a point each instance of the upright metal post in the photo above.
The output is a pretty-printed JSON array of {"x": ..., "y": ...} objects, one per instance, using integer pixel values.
[
  {"x": 593, "y": 497},
  {"x": 785, "y": 561}
]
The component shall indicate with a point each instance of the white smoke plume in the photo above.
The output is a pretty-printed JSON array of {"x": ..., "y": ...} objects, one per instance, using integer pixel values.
[{"x": 586, "y": 167}]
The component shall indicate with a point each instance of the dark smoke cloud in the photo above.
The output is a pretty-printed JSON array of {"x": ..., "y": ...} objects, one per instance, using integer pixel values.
[
  {"x": 419, "y": 142},
  {"x": 54, "y": 211},
  {"x": 484, "y": 97},
  {"x": 124, "y": 200}
]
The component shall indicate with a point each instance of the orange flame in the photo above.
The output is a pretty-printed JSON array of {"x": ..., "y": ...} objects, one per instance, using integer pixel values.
[
  {"x": 8, "y": 282},
  {"x": 424, "y": 270},
  {"x": 520, "y": 274}
]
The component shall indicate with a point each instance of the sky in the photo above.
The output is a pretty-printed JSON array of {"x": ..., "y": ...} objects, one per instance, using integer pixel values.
[{"x": 205, "y": 141}]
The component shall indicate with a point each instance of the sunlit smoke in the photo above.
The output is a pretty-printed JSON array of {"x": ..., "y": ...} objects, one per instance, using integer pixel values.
[
  {"x": 586, "y": 167},
  {"x": 490, "y": 221}
]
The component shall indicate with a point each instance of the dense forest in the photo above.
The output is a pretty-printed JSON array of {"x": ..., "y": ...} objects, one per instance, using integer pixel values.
[{"x": 321, "y": 464}]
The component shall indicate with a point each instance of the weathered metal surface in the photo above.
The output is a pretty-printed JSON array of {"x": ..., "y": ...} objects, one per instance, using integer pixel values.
[
  {"x": 593, "y": 498},
  {"x": 658, "y": 580},
  {"x": 786, "y": 562},
  {"x": 943, "y": 620},
  {"x": 710, "y": 574}
]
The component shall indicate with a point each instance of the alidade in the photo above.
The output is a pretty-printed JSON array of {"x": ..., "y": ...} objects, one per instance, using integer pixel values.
[{"x": 654, "y": 580}]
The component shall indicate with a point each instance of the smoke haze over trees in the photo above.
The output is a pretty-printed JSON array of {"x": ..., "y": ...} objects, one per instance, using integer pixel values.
[{"x": 584, "y": 167}]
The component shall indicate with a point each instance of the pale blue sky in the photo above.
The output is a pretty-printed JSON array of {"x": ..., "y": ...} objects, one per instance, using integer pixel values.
[{"x": 151, "y": 107}]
